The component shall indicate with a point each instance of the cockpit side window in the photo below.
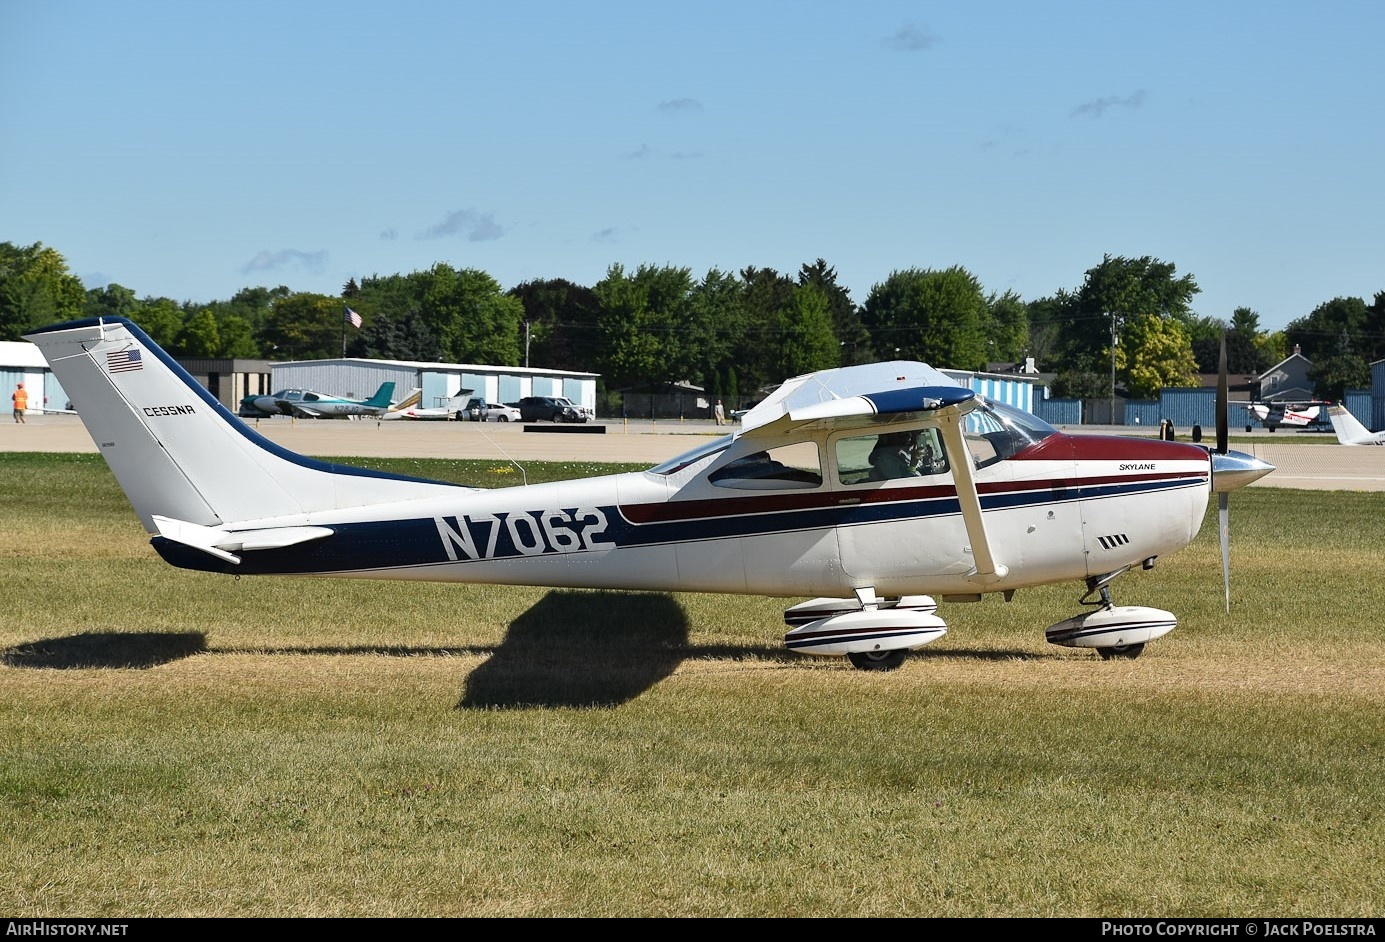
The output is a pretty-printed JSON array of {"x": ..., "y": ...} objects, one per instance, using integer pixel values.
[{"x": 865, "y": 459}]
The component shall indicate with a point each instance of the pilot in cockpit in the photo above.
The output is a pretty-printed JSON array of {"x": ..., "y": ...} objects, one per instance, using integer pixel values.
[
  {"x": 902, "y": 455},
  {"x": 893, "y": 456}
]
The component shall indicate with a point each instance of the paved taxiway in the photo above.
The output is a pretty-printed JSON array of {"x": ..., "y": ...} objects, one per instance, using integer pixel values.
[{"x": 1309, "y": 466}]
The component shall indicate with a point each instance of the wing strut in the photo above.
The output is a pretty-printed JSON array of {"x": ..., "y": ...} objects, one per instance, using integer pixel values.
[{"x": 959, "y": 455}]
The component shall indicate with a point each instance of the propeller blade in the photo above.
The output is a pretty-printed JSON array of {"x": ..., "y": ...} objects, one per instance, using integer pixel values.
[
  {"x": 1224, "y": 519},
  {"x": 1222, "y": 395}
]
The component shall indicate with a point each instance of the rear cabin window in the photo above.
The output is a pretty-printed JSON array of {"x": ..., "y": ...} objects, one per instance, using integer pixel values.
[{"x": 788, "y": 467}]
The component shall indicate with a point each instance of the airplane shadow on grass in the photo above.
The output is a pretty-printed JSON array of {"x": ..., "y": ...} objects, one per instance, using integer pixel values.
[
  {"x": 569, "y": 649},
  {"x": 582, "y": 649},
  {"x": 572, "y": 648}
]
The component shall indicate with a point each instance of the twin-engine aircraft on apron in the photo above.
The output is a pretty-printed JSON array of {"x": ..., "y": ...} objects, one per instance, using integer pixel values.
[{"x": 872, "y": 491}]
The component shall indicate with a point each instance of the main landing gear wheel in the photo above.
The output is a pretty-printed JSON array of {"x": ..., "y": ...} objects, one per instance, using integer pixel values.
[
  {"x": 1124, "y": 651},
  {"x": 878, "y": 660}
]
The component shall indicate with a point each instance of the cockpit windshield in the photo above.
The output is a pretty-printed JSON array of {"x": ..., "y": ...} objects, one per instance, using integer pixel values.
[
  {"x": 996, "y": 431},
  {"x": 682, "y": 461}
]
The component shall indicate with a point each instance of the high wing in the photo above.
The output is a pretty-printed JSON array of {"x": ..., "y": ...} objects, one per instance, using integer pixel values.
[{"x": 876, "y": 398}]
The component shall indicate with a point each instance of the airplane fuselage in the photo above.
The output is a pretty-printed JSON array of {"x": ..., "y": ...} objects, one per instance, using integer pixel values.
[{"x": 1066, "y": 512}]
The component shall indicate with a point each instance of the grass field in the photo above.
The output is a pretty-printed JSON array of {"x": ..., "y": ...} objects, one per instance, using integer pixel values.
[{"x": 184, "y": 744}]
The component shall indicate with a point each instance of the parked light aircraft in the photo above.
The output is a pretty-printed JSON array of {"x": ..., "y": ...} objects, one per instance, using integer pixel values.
[
  {"x": 788, "y": 505},
  {"x": 452, "y": 408},
  {"x": 1272, "y": 415},
  {"x": 308, "y": 404},
  {"x": 1349, "y": 429}
]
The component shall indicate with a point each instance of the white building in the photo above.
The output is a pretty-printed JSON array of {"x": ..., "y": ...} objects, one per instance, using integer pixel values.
[{"x": 21, "y": 362}]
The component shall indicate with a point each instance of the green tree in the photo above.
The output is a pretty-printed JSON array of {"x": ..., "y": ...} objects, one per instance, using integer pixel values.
[
  {"x": 1342, "y": 324},
  {"x": 1205, "y": 334},
  {"x": 473, "y": 319},
  {"x": 384, "y": 337},
  {"x": 562, "y": 323},
  {"x": 162, "y": 319},
  {"x": 36, "y": 289},
  {"x": 200, "y": 336},
  {"x": 667, "y": 291},
  {"x": 937, "y": 317},
  {"x": 852, "y": 337},
  {"x": 1154, "y": 353},
  {"x": 1081, "y": 384},
  {"x": 237, "y": 338},
  {"x": 714, "y": 329},
  {"x": 806, "y": 340},
  {"x": 1112, "y": 293},
  {"x": 767, "y": 295},
  {"x": 641, "y": 317},
  {"x": 1006, "y": 328},
  {"x": 1245, "y": 352},
  {"x": 111, "y": 301},
  {"x": 1045, "y": 331},
  {"x": 304, "y": 326},
  {"x": 1338, "y": 369},
  {"x": 631, "y": 350}
]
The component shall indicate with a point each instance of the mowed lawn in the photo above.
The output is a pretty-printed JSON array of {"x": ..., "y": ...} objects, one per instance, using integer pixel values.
[{"x": 185, "y": 744}]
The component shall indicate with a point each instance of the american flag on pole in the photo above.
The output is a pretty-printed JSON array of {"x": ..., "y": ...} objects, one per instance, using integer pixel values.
[
  {"x": 354, "y": 318},
  {"x": 123, "y": 361}
]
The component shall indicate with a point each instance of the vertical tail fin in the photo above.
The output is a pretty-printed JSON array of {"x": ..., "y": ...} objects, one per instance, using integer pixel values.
[
  {"x": 1349, "y": 430},
  {"x": 382, "y": 397},
  {"x": 179, "y": 453}
]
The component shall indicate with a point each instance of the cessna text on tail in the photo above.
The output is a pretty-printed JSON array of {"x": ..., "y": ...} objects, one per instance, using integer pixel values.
[{"x": 874, "y": 492}]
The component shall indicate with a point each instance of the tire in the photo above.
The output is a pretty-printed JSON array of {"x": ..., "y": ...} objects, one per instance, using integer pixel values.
[
  {"x": 878, "y": 660},
  {"x": 504, "y": 418},
  {"x": 1127, "y": 652}
]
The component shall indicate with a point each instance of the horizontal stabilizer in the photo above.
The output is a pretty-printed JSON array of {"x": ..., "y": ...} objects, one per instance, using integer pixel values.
[{"x": 224, "y": 543}]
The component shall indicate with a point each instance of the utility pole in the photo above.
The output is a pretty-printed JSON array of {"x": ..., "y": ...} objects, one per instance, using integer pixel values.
[{"x": 1113, "y": 368}]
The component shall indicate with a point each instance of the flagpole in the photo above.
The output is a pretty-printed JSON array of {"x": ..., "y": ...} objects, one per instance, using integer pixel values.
[{"x": 344, "y": 315}]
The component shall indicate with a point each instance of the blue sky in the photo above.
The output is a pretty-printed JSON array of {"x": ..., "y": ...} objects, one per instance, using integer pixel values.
[{"x": 189, "y": 149}]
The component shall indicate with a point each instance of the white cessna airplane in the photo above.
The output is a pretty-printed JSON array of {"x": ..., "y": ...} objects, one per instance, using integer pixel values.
[
  {"x": 796, "y": 502},
  {"x": 1349, "y": 429},
  {"x": 1273, "y": 415},
  {"x": 452, "y": 408}
]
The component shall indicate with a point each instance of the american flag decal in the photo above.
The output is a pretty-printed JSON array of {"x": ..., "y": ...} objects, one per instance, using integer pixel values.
[{"x": 123, "y": 361}]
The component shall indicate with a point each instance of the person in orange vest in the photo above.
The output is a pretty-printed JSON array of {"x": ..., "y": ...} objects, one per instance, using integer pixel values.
[{"x": 21, "y": 402}]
